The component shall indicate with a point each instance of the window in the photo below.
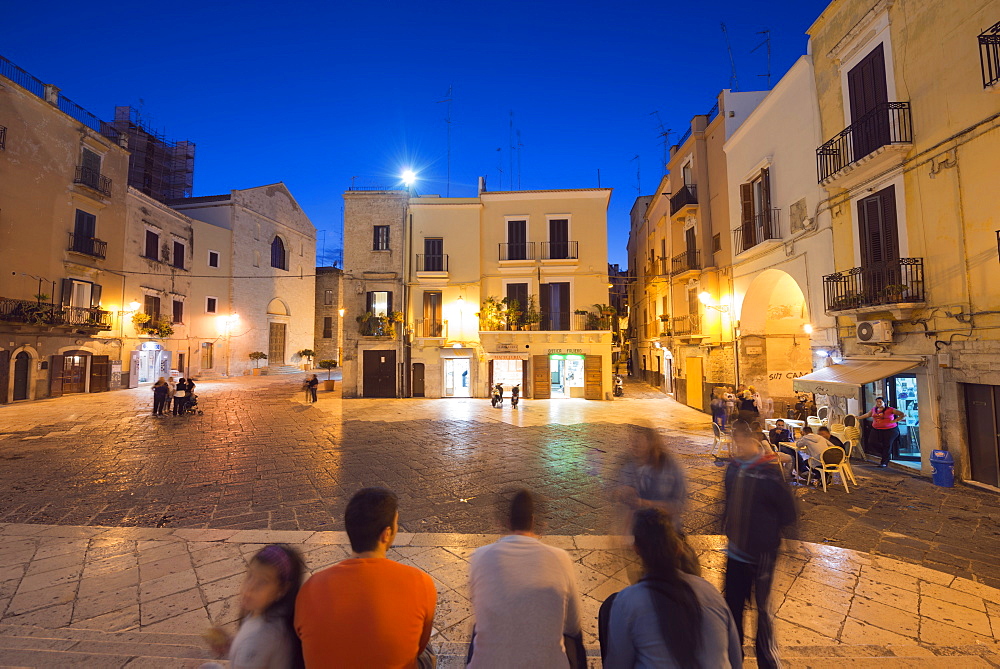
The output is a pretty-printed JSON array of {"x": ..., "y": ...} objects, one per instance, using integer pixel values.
[
  {"x": 213, "y": 258},
  {"x": 554, "y": 302},
  {"x": 84, "y": 231},
  {"x": 328, "y": 297},
  {"x": 151, "y": 307},
  {"x": 327, "y": 327},
  {"x": 434, "y": 254},
  {"x": 178, "y": 312},
  {"x": 82, "y": 294},
  {"x": 210, "y": 305},
  {"x": 279, "y": 259},
  {"x": 517, "y": 297},
  {"x": 379, "y": 302},
  {"x": 716, "y": 243},
  {"x": 90, "y": 169},
  {"x": 380, "y": 239},
  {"x": 517, "y": 240},
  {"x": 559, "y": 238},
  {"x": 179, "y": 255},
  {"x": 433, "y": 327},
  {"x": 688, "y": 174},
  {"x": 757, "y": 222},
  {"x": 152, "y": 245}
]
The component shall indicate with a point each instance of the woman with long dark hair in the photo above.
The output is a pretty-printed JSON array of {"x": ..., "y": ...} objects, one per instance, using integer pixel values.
[{"x": 671, "y": 617}]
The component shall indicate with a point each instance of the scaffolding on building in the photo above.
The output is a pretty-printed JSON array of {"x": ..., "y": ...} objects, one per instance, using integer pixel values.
[{"x": 162, "y": 169}]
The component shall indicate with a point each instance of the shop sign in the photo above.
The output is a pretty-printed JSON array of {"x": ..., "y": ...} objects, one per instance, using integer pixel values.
[
  {"x": 577, "y": 351},
  {"x": 151, "y": 346},
  {"x": 506, "y": 347}
]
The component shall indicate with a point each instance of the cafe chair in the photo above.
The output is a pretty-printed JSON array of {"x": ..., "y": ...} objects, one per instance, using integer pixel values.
[
  {"x": 823, "y": 413},
  {"x": 830, "y": 461},
  {"x": 848, "y": 448},
  {"x": 721, "y": 439},
  {"x": 850, "y": 420}
]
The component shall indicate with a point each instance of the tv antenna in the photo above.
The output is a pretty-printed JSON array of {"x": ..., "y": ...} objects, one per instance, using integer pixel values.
[
  {"x": 447, "y": 120},
  {"x": 767, "y": 42},
  {"x": 638, "y": 174},
  {"x": 664, "y": 135},
  {"x": 734, "y": 83},
  {"x": 512, "y": 147},
  {"x": 519, "y": 147},
  {"x": 500, "y": 165}
]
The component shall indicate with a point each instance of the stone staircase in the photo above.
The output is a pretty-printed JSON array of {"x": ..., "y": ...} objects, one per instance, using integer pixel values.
[
  {"x": 28, "y": 646},
  {"x": 273, "y": 370}
]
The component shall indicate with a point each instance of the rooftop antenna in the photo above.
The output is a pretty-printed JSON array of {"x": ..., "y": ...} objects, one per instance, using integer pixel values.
[
  {"x": 638, "y": 178},
  {"x": 447, "y": 121},
  {"x": 519, "y": 147},
  {"x": 665, "y": 135},
  {"x": 734, "y": 83},
  {"x": 500, "y": 165},
  {"x": 767, "y": 42}
]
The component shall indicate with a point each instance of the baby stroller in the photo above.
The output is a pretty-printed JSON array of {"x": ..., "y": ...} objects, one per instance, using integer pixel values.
[{"x": 192, "y": 405}]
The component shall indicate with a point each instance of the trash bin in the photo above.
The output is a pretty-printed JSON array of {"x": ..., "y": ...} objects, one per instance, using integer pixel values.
[{"x": 944, "y": 469}]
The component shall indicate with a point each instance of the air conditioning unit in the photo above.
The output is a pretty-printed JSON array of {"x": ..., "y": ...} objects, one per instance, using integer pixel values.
[{"x": 874, "y": 332}]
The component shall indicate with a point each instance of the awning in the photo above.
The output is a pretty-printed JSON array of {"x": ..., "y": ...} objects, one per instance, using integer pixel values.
[{"x": 845, "y": 380}]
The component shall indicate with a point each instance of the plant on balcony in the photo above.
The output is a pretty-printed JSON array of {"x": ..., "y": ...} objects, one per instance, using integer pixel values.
[
  {"x": 606, "y": 309},
  {"x": 139, "y": 320},
  {"x": 532, "y": 315},
  {"x": 257, "y": 356},
  {"x": 42, "y": 297},
  {"x": 895, "y": 291},
  {"x": 581, "y": 312},
  {"x": 513, "y": 314},
  {"x": 847, "y": 301},
  {"x": 491, "y": 314},
  {"x": 396, "y": 317}
]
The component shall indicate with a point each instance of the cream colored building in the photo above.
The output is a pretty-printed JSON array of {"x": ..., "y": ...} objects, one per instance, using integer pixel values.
[
  {"x": 911, "y": 135},
  {"x": 62, "y": 226},
  {"x": 526, "y": 310},
  {"x": 269, "y": 300}
]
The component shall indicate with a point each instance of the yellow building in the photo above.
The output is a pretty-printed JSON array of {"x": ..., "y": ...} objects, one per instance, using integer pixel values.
[
  {"x": 910, "y": 163},
  {"x": 510, "y": 288}
]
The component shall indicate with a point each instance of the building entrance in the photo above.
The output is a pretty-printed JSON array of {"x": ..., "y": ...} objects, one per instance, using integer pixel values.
[
  {"x": 74, "y": 374},
  {"x": 900, "y": 392},
  {"x": 566, "y": 375},
  {"x": 508, "y": 373},
  {"x": 154, "y": 362},
  {"x": 22, "y": 363},
  {"x": 456, "y": 377},
  {"x": 982, "y": 407}
]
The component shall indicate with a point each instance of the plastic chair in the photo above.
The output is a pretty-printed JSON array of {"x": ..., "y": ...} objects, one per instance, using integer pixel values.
[
  {"x": 854, "y": 434},
  {"x": 837, "y": 430},
  {"x": 850, "y": 420},
  {"x": 721, "y": 438},
  {"x": 823, "y": 413},
  {"x": 830, "y": 461}
]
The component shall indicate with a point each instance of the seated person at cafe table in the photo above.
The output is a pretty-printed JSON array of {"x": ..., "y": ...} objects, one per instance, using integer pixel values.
[
  {"x": 811, "y": 445},
  {"x": 826, "y": 434},
  {"x": 779, "y": 433}
]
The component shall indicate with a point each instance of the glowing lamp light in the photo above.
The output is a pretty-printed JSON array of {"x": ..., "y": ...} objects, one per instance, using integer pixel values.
[
  {"x": 134, "y": 306},
  {"x": 705, "y": 298},
  {"x": 456, "y": 345},
  {"x": 408, "y": 176},
  {"x": 342, "y": 312},
  {"x": 807, "y": 328}
]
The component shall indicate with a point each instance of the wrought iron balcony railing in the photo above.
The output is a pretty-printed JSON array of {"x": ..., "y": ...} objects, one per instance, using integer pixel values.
[
  {"x": 31, "y": 312},
  {"x": 3, "y": 137},
  {"x": 377, "y": 326},
  {"x": 989, "y": 55},
  {"x": 889, "y": 123},
  {"x": 886, "y": 283},
  {"x": 88, "y": 246},
  {"x": 764, "y": 227},
  {"x": 688, "y": 194},
  {"x": 517, "y": 251},
  {"x": 686, "y": 325},
  {"x": 685, "y": 262},
  {"x": 432, "y": 263},
  {"x": 93, "y": 179},
  {"x": 430, "y": 328},
  {"x": 560, "y": 250}
]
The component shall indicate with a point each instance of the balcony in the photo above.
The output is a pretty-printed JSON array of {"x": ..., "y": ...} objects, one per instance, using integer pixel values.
[
  {"x": 687, "y": 326},
  {"x": 685, "y": 263},
  {"x": 432, "y": 263},
  {"x": 28, "y": 312},
  {"x": 763, "y": 228},
  {"x": 377, "y": 326},
  {"x": 93, "y": 179},
  {"x": 429, "y": 328},
  {"x": 88, "y": 246},
  {"x": 888, "y": 125},
  {"x": 989, "y": 55},
  {"x": 517, "y": 251},
  {"x": 876, "y": 287},
  {"x": 560, "y": 250},
  {"x": 556, "y": 321},
  {"x": 687, "y": 196}
]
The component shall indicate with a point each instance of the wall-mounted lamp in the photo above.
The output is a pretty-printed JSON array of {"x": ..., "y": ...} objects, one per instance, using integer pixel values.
[
  {"x": 807, "y": 328},
  {"x": 342, "y": 312},
  {"x": 706, "y": 300}
]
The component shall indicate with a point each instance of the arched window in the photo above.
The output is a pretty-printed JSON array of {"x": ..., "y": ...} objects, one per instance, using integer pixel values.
[{"x": 278, "y": 254}]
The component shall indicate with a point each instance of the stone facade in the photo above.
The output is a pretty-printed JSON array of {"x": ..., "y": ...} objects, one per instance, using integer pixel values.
[{"x": 329, "y": 320}]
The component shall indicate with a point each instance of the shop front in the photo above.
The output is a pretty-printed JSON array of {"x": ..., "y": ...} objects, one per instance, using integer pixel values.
[
  {"x": 149, "y": 362},
  {"x": 852, "y": 386}
]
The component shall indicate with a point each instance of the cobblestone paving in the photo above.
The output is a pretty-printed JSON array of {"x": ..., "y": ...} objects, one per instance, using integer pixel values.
[{"x": 261, "y": 458}]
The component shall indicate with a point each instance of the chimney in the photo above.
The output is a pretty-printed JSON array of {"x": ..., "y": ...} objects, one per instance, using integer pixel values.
[
  {"x": 52, "y": 94},
  {"x": 482, "y": 185}
]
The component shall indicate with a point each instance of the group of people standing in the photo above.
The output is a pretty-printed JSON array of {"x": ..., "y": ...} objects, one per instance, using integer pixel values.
[
  {"x": 728, "y": 406},
  {"x": 166, "y": 391}
]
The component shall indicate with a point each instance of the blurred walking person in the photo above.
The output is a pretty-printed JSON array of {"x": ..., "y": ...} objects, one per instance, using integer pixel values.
[
  {"x": 672, "y": 617},
  {"x": 652, "y": 478},
  {"x": 160, "y": 400},
  {"x": 524, "y": 598},
  {"x": 180, "y": 397},
  {"x": 759, "y": 510}
]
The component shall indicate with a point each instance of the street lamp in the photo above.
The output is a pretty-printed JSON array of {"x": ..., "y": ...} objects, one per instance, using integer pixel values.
[
  {"x": 408, "y": 176},
  {"x": 225, "y": 324},
  {"x": 340, "y": 337},
  {"x": 706, "y": 300}
]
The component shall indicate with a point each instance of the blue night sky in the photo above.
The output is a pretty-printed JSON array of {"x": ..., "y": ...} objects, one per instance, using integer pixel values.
[{"x": 313, "y": 94}]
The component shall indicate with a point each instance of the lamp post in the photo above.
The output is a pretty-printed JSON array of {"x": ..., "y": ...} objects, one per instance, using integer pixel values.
[{"x": 340, "y": 336}]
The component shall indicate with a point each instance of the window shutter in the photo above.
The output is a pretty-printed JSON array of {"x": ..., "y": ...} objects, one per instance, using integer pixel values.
[
  {"x": 746, "y": 203},
  {"x": 95, "y": 295},
  {"x": 890, "y": 232},
  {"x": 545, "y": 304},
  {"x": 869, "y": 215},
  {"x": 369, "y": 307},
  {"x": 388, "y": 303},
  {"x": 91, "y": 161},
  {"x": 375, "y": 239},
  {"x": 67, "y": 293},
  {"x": 765, "y": 192}
]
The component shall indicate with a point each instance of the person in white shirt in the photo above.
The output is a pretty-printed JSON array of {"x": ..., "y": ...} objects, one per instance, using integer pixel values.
[
  {"x": 812, "y": 444},
  {"x": 524, "y": 598}
]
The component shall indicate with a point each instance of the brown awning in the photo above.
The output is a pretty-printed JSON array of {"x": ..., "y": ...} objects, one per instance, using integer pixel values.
[{"x": 844, "y": 380}]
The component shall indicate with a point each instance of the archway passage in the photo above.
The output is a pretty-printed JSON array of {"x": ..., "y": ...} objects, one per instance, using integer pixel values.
[
  {"x": 22, "y": 375},
  {"x": 774, "y": 348}
]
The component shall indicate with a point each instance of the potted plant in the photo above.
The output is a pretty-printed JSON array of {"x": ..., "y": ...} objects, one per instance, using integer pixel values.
[
  {"x": 257, "y": 356},
  {"x": 396, "y": 317},
  {"x": 308, "y": 354},
  {"x": 894, "y": 292},
  {"x": 328, "y": 365},
  {"x": 606, "y": 309},
  {"x": 532, "y": 315}
]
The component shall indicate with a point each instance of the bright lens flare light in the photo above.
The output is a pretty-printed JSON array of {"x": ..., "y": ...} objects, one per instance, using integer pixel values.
[
  {"x": 807, "y": 328},
  {"x": 705, "y": 298},
  {"x": 408, "y": 177}
]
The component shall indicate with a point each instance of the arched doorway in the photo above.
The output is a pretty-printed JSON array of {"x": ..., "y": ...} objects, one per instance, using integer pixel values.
[
  {"x": 278, "y": 313},
  {"x": 22, "y": 375},
  {"x": 774, "y": 348}
]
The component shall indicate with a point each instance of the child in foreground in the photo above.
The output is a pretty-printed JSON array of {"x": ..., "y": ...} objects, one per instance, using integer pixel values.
[{"x": 266, "y": 638}]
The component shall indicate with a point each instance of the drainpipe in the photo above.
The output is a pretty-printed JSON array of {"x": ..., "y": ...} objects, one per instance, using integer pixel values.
[{"x": 407, "y": 347}]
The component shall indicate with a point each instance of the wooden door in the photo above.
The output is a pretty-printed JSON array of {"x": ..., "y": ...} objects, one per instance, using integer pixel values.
[
  {"x": 982, "y": 408},
  {"x": 379, "y": 374},
  {"x": 100, "y": 371},
  {"x": 276, "y": 344},
  {"x": 74, "y": 374},
  {"x": 418, "y": 379},
  {"x": 879, "y": 237},
  {"x": 592, "y": 377},
  {"x": 541, "y": 382},
  {"x": 4, "y": 376},
  {"x": 694, "y": 383},
  {"x": 56, "y": 376},
  {"x": 133, "y": 369}
]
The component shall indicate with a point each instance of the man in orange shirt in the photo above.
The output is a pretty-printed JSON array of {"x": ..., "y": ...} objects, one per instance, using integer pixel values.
[{"x": 367, "y": 611}]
